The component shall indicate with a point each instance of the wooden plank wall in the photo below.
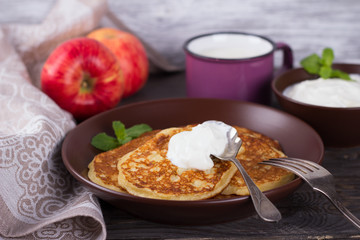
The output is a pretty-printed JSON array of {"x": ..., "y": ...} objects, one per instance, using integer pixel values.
[{"x": 307, "y": 25}]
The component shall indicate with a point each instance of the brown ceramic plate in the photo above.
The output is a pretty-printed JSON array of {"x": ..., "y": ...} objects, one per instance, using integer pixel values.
[{"x": 296, "y": 137}]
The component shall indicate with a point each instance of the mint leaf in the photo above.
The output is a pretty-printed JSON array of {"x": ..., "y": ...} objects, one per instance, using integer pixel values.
[
  {"x": 136, "y": 130},
  {"x": 311, "y": 64},
  {"x": 104, "y": 142},
  {"x": 340, "y": 74},
  {"x": 325, "y": 72},
  {"x": 125, "y": 140},
  {"x": 119, "y": 130},
  {"x": 327, "y": 57}
]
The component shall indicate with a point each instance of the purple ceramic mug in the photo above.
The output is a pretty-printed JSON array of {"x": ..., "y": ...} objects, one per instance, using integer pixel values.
[{"x": 233, "y": 65}]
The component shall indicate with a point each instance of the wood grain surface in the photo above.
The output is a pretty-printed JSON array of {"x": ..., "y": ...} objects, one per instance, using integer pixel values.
[{"x": 307, "y": 26}]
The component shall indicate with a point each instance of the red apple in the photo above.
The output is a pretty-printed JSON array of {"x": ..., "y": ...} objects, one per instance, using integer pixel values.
[
  {"x": 130, "y": 53},
  {"x": 83, "y": 77}
]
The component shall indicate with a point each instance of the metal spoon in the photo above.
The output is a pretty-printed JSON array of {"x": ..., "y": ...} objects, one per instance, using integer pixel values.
[{"x": 263, "y": 206}]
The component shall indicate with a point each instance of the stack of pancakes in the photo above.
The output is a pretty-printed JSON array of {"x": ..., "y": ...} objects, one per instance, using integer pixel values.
[{"x": 140, "y": 167}]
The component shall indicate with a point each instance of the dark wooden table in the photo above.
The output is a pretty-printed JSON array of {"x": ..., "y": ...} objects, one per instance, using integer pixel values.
[{"x": 306, "y": 214}]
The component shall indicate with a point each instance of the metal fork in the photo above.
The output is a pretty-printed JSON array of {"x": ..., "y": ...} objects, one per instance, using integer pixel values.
[{"x": 318, "y": 178}]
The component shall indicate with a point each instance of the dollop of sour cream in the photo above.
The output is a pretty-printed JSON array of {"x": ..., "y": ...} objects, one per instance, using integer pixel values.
[
  {"x": 327, "y": 92},
  {"x": 192, "y": 149}
]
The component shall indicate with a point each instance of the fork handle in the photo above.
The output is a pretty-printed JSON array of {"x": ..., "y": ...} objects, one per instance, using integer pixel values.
[
  {"x": 334, "y": 198},
  {"x": 263, "y": 206}
]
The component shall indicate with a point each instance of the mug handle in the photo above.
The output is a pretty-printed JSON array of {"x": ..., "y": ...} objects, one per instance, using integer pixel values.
[{"x": 287, "y": 57}]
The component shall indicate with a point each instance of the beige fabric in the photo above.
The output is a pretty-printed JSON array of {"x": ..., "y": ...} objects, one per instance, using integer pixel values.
[{"x": 38, "y": 197}]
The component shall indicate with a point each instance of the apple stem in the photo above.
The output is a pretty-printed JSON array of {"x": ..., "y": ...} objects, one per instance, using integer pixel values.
[{"x": 87, "y": 83}]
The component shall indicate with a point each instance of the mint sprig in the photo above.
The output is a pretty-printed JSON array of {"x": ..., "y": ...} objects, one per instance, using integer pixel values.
[
  {"x": 105, "y": 142},
  {"x": 322, "y": 66}
]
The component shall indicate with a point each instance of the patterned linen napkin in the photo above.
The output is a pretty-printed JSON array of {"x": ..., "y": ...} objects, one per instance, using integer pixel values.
[{"x": 38, "y": 197}]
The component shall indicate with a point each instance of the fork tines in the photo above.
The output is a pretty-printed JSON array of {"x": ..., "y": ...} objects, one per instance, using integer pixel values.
[
  {"x": 299, "y": 164},
  {"x": 296, "y": 165}
]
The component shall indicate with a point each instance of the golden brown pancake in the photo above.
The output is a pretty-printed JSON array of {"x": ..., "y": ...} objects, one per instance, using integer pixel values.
[
  {"x": 146, "y": 172},
  {"x": 256, "y": 148},
  {"x": 103, "y": 168}
]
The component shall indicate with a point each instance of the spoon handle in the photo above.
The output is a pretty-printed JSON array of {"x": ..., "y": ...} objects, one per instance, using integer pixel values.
[{"x": 263, "y": 206}]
